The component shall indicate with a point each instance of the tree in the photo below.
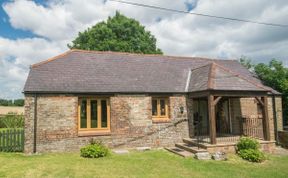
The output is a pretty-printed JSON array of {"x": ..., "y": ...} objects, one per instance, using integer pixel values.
[
  {"x": 246, "y": 62},
  {"x": 274, "y": 75},
  {"x": 17, "y": 102},
  {"x": 119, "y": 33}
]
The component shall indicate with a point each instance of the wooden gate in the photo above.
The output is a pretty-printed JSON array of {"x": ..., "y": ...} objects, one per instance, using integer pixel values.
[
  {"x": 12, "y": 140},
  {"x": 253, "y": 127}
]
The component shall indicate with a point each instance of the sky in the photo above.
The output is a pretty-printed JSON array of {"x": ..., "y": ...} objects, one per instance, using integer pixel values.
[{"x": 32, "y": 31}]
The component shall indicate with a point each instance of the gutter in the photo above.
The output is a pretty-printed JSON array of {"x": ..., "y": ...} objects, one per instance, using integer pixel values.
[{"x": 35, "y": 125}]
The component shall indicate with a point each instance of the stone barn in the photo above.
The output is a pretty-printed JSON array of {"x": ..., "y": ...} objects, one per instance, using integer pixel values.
[{"x": 134, "y": 100}]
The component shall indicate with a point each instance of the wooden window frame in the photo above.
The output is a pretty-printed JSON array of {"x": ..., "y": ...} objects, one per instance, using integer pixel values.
[
  {"x": 160, "y": 117},
  {"x": 99, "y": 130}
]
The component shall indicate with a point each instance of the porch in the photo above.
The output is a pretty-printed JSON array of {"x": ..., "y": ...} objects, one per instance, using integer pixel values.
[
  {"x": 216, "y": 116},
  {"x": 215, "y": 121}
]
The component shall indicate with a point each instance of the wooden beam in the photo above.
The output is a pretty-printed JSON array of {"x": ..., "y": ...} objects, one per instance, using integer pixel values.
[
  {"x": 198, "y": 94},
  {"x": 217, "y": 100},
  {"x": 212, "y": 120},
  {"x": 259, "y": 101},
  {"x": 231, "y": 93},
  {"x": 266, "y": 123}
]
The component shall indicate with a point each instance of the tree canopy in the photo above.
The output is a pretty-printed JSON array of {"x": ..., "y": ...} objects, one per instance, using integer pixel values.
[
  {"x": 119, "y": 33},
  {"x": 274, "y": 75}
]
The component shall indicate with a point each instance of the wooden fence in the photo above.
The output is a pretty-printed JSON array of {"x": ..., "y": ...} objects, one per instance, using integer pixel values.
[{"x": 12, "y": 140}]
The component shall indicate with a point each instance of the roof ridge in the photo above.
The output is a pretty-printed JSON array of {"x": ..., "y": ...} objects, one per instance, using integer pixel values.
[
  {"x": 200, "y": 67},
  {"x": 51, "y": 59},
  {"x": 240, "y": 76},
  {"x": 126, "y": 53},
  {"x": 211, "y": 76},
  {"x": 188, "y": 80},
  {"x": 142, "y": 54}
]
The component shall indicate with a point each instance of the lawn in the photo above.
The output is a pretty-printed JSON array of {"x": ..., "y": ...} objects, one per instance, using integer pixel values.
[{"x": 136, "y": 164}]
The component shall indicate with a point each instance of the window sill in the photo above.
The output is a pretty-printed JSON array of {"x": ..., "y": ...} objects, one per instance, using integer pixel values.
[
  {"x": 161, "y": 120},
  {"x": 93, "y": 133}
]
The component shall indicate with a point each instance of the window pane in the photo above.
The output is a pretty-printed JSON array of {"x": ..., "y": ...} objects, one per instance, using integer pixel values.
[
  {"x": 83, "y": 114},
  {"x": 154, "y": 108},
  {"x": 94, "y": 114},
  {"x": 103, "y": 114},
  {"x": 162, "y": 108}
]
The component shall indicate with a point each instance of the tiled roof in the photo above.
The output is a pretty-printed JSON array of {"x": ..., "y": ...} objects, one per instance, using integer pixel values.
[
  {"x": 79, "y": 71},
  {"x": 199, "y": 78}
]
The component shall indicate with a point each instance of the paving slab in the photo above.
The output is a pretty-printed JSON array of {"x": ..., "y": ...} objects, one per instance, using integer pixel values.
[
  {"x": 144, "y": 148},
  {"x": 122, "y": 151}
]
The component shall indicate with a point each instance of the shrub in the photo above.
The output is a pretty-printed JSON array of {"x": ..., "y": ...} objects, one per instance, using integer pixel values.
[
  {"x": 94, "y": 150},
  {"x": 248, "y": 149},
  {"x": 12, "y": 120},
  {"x": 247, "y": 143},
  {"x": 252, "y": 155}
]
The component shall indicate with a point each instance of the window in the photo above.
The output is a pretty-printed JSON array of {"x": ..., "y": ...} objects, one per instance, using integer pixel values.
[
  {"x": 94, "y": 114},
  {"x": 160, "y": 108}
]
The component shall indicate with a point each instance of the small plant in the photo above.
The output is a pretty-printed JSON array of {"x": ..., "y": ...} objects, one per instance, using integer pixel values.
[
  {"x": 95, "y": 149},
  {"x": 247, "y": 143},
  {"x": 252, "y": 155},
  {"x": 12, "y": 120},
  {"x": 248, "y": 149}
]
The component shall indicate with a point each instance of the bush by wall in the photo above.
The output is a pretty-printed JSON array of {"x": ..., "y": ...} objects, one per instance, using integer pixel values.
[
  {"x": 247, "y": 143},
  {"x": 94, "y": 150},
  {"x": 248, "y": 149},
  {"x": 252, "y": 155}
]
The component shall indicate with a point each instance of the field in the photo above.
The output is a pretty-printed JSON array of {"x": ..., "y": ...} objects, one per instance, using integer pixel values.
[
  {"x": 157, "y": 163},
  {"x": 15, "y": 109}
]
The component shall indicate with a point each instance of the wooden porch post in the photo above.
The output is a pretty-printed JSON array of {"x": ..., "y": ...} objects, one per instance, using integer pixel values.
[
  {"x": 266, "y": 124},
  {"x": 212, "y": 120}
]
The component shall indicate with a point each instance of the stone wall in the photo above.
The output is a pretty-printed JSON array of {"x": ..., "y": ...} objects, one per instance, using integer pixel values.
[
  {"x": 265, "y": 146},
  {"x": 29, "y": 123},
  {"x": 247, "y": 107},
  {"x": 279, "y": 113},
  {"x": 131, "y": 123}
]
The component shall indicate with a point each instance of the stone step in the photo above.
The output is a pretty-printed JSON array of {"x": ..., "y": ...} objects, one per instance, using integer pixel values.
[
  {"x": 193, "y": 142},
  {"x": 203, "y": 156},
  {"x": 191, "y": 148},
  {"x": 180, "y": 152}
]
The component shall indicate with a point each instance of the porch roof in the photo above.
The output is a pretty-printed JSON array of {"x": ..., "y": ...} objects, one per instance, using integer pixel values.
[{"x": 216, "y": 77}]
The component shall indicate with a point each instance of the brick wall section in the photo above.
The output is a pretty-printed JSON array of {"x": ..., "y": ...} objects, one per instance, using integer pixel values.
[
  {"x": 236, "y": 113},
  {"x": 271, "y": 118},
  {"x": 29, "y": 123},
  {"x": 278, "y": 101},
  {"x": 131, "y": 123},
  {"x": 247, "y": 107},
  {"x": 190, "y": 117},
  {"x": 267, "y": 147}
]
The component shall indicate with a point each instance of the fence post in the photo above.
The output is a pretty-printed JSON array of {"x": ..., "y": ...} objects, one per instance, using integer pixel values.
[
  {"x": 0, "y": 141},
  {"x": 22, "y": 139}
]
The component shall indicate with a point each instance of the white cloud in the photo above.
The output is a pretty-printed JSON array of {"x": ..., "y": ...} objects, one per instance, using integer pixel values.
[
  {"x": 15, "y": 58},
  {"x": 58, "y": 22}
]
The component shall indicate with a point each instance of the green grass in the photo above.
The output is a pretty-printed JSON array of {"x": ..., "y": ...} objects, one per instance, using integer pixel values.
[{"x": 136, "y": 164}]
